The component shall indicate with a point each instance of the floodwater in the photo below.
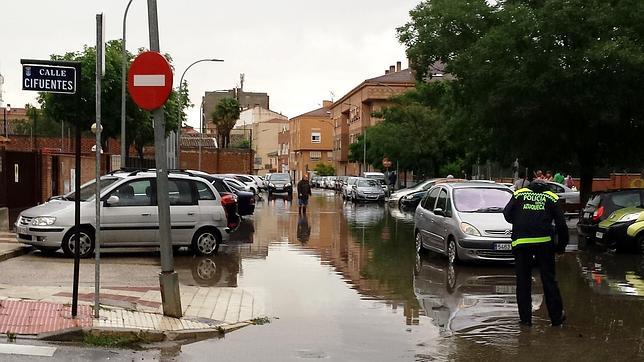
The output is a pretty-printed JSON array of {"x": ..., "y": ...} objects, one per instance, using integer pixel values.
[{"x": 343, "y": 283}]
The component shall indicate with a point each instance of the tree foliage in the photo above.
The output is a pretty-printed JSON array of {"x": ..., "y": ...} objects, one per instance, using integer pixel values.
[
  {"x": 551, "y": 82},
  {"x": 322, "y": 169},
  {"x": 82, "y": 109},
  {"x": 224, "y": 117}
]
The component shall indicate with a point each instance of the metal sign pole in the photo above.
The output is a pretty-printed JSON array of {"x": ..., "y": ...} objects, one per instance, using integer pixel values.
[
  {"x": 168, "y": 279},
  {"x": 99, "y": 76}
]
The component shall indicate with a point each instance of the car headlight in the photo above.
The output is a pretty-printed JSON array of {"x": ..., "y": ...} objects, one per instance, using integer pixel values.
[
  {"x": 630, "y": 217},
  {"x": 43, "y": 221},
  {"x": 469, "y": 229},
  {"x": 408, "y": 197},
  {"x": 288, "y": 184}
]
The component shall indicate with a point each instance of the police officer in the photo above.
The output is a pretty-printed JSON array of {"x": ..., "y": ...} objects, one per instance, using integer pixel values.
[{"x": 531, "y": 212}]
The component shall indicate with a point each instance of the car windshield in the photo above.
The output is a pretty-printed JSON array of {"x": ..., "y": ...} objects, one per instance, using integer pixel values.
[
  {"x": 280, "y": 177},
  {"x": 481, "y": 199},
  {"x": 235, "y": 184},
  {"x": 88, "y": 191},
  {"x": 622, "y": 199},
  {"x": 367, "y": 183}
]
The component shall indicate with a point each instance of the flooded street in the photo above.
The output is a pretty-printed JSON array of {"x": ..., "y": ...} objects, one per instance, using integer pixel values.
[{"x": 343, "y": 283}]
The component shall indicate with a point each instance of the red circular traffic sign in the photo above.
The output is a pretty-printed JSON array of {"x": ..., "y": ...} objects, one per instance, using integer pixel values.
[{"x": 150, "y": 80}]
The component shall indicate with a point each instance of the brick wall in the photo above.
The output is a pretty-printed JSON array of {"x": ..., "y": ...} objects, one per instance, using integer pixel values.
[
  {"x": 27, "y": 143},
  {"x": 65, "y": 163},
  {"x": 217, "y": 160}
]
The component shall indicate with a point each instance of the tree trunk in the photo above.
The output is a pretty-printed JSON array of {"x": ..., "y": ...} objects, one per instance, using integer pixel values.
[{"x": 586, "y": 174}]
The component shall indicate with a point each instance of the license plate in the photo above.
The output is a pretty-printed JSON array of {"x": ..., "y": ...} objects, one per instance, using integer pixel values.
[
  {"x": 503, "y": 246},
  {"x": 21, "y": 229},
  {"x": 599, "y": 235}
]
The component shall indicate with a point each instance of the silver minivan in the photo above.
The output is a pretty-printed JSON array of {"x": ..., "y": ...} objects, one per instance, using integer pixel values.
[
  {"x": 129, "y": 215},
  {"x": 464, "y": 221}
]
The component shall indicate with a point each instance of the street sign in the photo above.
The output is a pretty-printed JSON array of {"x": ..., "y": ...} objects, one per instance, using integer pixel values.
[
  {"x": 49, "y": 78},
  {"x": 149, "y": 80}
]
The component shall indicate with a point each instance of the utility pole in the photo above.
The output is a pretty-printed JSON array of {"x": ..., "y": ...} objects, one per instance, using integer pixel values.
[
  {"x": 100, "y": 30},
  {"x": 168, "y": 278}
]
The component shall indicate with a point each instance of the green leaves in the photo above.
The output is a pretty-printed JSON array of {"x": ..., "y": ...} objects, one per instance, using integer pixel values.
[{"x": 224, "y": 116}]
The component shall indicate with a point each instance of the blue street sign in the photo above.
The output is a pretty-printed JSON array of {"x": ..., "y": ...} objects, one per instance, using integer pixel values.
[{"x": 49, "y": 78}]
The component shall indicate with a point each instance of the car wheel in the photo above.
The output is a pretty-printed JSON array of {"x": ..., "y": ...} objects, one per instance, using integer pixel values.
[
  {"x": 420, "y": 249},
  {"x": 206, "y": 242},
  {"x": 452, "y": 252},
  {"x": 86, "y": 243}
]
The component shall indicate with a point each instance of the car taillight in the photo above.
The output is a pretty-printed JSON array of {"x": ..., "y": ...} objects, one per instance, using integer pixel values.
[
  {"x": 598, "y": 213},
  {"x": 228, "y": 200}
]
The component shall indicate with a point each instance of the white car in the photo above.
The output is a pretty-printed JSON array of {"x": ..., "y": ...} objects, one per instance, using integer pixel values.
[
  {"x": 249, "y": 181},
  {"x": 129, "y": 215}
]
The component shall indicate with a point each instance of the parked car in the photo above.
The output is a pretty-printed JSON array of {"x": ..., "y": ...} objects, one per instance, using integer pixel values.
[
  {"x": 380, "y": 177},
  {"x": 261, "y": 184},
  {"x": 395, "y": 197},
  {"x": 248, "y": 180},
  {"x": 613, "y": 231},
  {"x": 340, "y": 181},
  {"x": 245, "y": 199},
  {"x": 315, "y": 181},
  {"x": 129, "y": 215},
  {"x": 601, "y": 205},
  {"x": 366, "y": 189},
  {"x": 411, "y": 201},
  {"x": 347, "y": 187},
  {"x": 568, "y": 195},
  {"x": 280, "y": 183},
  {"x": 464, "y": 221}
]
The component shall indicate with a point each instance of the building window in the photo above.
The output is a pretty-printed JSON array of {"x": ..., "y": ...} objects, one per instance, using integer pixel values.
[
  {"x": 329, "y": 155},
  {"x": 316, "y": 137},
  {"x": 315, "y": 155}
]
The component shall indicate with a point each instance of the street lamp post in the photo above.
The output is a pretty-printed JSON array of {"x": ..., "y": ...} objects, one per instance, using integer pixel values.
[
  {"x": 200, "y": 131},
  {"x": 123, "y": 70},
  {"x": 178, "y": 143}
]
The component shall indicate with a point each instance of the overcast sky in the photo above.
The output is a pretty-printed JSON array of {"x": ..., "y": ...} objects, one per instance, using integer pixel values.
[{"x": 298, "y": 51}]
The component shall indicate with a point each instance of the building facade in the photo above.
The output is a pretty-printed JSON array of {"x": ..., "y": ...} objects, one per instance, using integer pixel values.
[
  {"x": 265, "y": 142},
  {"x": 352, "y": 114},
  {"x": 311, "y": 141},
  {"x": 247, "y": 100},
  {"x": 284, "y": 140}
]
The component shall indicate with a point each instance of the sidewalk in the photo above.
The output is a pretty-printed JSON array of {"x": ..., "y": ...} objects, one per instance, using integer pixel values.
[{"x": 45, "y": 311}]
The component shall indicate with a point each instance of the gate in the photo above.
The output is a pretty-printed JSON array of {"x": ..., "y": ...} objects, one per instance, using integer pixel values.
[{"x": 19, "y": 182}]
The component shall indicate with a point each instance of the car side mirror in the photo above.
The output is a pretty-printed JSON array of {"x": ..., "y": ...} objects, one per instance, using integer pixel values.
[
  {"x": 439, "y": 211},
  {"x": 112, "y": 200}
]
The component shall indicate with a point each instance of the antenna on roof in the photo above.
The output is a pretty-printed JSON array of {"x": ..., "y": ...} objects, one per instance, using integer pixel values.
[{"x": 332, "y": 95}]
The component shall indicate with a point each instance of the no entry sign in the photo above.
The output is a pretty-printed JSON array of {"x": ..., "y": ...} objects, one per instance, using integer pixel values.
[{"x": 150, "y": 80}]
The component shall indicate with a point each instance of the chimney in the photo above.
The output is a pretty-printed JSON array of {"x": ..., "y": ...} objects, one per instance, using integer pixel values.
[
  {"x": 386, "y": 71},
  {"x": 392, "y": 69},
  {"x": 398, "y": 66},
  {"x": 326, "y": 104}
]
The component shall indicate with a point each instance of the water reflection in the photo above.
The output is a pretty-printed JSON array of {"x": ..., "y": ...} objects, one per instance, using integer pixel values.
[
  {"x": 477, "y": 303},
  {"x": 613, "y": 274}
]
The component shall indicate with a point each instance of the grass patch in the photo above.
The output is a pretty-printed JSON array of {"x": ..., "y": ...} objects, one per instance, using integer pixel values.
[
  {"x": 112, "y": 341},
  {"x": 260, "y": 321}
]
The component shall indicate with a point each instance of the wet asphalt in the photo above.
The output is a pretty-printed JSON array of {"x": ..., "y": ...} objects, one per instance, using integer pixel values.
[{"x": 343, "y": 283}]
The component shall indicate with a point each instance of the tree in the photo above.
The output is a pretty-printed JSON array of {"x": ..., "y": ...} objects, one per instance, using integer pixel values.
[
  {"x": 224, "y": 117},
  {"x": 552, "y": 82},
  {"x": 81, "y": 109},
  {"x": 322, "y": 169}
]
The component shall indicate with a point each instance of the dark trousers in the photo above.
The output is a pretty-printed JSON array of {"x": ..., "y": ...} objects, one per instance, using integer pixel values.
[{"x": 544, "y": 255}]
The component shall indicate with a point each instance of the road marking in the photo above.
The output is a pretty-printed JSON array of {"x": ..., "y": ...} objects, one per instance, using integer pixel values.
[
  {"x": 27, "y": 350},
  {"x": 149, "y": 80}
]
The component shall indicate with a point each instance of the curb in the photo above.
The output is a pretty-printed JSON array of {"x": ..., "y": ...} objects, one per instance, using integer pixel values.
[
  {"x": 15, "y": 253},
  {"x": 144, "y": 335}
]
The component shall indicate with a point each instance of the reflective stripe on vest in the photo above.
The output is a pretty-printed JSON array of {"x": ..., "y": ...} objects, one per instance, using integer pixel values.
[{"x": 542, "y": 239}]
